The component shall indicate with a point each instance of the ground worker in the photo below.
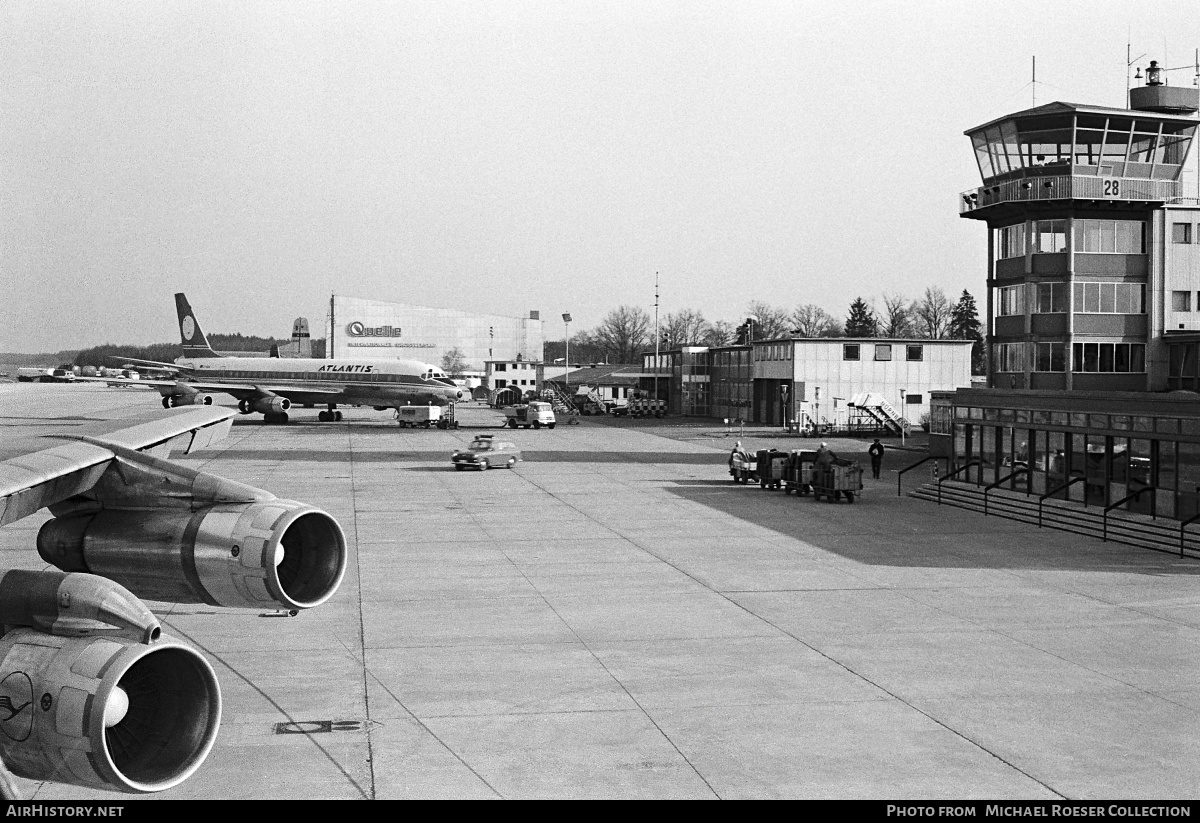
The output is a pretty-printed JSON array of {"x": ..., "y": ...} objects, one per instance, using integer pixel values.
[{"x": 876, "y": 452}]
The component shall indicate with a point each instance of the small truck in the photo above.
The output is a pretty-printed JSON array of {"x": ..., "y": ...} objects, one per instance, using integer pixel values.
[{"x": 535, "y": 414}]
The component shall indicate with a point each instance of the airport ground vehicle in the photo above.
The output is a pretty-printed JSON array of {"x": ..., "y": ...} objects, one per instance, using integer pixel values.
[
  {"x": 772, "y": 466},
  {"x": 424, "y": 416},
  {"x": 35, "y": 374},
  {"x": 837, "y": 481},
  {"x": 485, "y": 452},
  {"x": 743, "y": 468},
  {"x": 645, "y": 407},
  {"x": 798, "y": 474},
  {"x": 535, "y": 414}
]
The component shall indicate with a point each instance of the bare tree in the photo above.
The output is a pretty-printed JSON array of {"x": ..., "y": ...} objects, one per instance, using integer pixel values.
[
  {"x": 896, "y": 320},
  {"x": 684, "y": 328},
  {"x": 720, "y": 333},
  {"x": 811, "y": 320},
  {"x": 932, "y": 313},
  {"x": 624, "y": 333},
  {"x": 453, "y": 362},
  {"x": 770, "y": 322}
]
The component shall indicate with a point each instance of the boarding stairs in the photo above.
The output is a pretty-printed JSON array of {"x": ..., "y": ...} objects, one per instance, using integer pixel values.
[
  {"x": 559, "y": 400},
  {"x": 1117, "y": 526},
  {"x": 877, "y": 408}
]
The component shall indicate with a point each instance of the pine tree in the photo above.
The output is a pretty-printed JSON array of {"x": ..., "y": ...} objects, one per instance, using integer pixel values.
[
  {"x": 861, "y": 322},
  {"x": 964, "y": 325}
]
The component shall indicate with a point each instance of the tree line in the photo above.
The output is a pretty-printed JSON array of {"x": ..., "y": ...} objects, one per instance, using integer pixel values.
[
  {"x": 108, "y": 353},
  {"x": 627, "y": 331}
]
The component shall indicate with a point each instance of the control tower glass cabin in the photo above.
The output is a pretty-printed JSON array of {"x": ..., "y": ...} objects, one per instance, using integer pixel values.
[{"x": 1080, "y": 203}]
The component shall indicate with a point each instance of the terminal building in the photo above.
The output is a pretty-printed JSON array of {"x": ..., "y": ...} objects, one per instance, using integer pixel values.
[
  {"x": 375, "y": 329},
  {"x": 809, "y": 382},
  {"x": 1093, "y": 310}
]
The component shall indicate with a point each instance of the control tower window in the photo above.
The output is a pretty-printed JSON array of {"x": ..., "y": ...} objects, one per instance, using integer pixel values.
[
  {"x": 1010, "y": 300},
  {"x": 1110, "y": 236},
  {"x": 1049, "y": 236},
  {"x": 1010, "y": 242}
]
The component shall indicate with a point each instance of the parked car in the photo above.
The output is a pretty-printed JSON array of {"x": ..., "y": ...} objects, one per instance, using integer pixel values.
[{"x": 485, "y": 452}]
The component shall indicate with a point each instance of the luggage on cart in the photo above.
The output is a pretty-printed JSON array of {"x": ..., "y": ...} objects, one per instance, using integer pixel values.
[
  {"x": 798, "y": 475},
  {"x": 772, "y": 465}
]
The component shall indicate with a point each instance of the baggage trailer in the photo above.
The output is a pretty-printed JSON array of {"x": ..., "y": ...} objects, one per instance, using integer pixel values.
[
  {"x": 743, "y": 468},
  {"x": 411, "y": 417},
  {"x": 798, "y": 475},
  {"x": 771, "y": 466},
  {"x": 842, "y": 479}
]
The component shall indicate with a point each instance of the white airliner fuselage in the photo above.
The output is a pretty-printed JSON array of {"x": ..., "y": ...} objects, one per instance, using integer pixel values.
[{"x": 272, "y": 385}]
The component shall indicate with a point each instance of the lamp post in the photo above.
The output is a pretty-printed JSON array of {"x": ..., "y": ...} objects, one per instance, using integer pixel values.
[
  {"x": 901, "y": 421},
  {"x": 567, "y": 354}
]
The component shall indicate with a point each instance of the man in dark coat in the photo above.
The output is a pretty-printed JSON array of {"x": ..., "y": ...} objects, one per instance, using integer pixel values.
[{"x": 876, "y": 452}]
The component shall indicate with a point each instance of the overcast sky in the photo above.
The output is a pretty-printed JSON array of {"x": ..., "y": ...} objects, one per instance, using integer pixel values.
[{"x": 508, "y": 156}]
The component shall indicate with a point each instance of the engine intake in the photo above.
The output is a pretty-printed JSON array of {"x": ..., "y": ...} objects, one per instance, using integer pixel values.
[
  {"x": 107, "y": 713},
  {"x": 270, "y": 554}
]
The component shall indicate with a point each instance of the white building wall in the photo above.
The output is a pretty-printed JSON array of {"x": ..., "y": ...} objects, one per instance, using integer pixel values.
[
  {"x": 830, "y": 381},
  {"x": 360, "y": 327}
]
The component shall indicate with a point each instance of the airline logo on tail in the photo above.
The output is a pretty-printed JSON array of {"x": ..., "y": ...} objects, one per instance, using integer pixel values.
[{"x": 195, "y": 344}]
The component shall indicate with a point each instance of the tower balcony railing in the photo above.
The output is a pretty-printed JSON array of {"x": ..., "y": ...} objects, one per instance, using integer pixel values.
[{"x": 1069, "y": 187}]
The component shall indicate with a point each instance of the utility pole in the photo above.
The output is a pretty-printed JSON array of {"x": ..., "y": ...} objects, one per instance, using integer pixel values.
[{"x": 656, "y": 339}]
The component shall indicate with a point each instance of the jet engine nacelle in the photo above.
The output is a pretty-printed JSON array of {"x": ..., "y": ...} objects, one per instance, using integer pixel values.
[
  {"x": 276, "y": 554},
  {"x": 107, "y": 713},
  {"x": 272, "y": 405},
  {"x": 196, "y": 399}
]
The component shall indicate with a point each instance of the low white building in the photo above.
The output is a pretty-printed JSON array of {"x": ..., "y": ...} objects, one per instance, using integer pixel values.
[{"x": 808, "y": 380}]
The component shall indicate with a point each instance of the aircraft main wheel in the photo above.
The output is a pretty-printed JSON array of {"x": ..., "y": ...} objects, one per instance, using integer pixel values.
[
  {"x": 337, "y": 417},
  {"x": 324, "y": 417}
]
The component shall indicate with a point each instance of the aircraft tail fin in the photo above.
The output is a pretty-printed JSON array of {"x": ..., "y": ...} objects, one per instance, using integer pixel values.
[{"x": 195, "y": 344}]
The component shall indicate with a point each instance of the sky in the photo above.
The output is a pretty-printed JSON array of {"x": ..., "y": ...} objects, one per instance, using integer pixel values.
[{"x": 507, "y": 156}]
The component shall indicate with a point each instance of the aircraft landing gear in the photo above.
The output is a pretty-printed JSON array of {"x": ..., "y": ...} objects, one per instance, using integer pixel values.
[
  {"x": 166, "y": 402},
  {"x": 275, "y": 418},
  {"x": 331, "y": 416}
]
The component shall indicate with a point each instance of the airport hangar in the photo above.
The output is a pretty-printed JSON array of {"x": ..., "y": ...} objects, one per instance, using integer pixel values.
[{"x": 358, "y": 327}]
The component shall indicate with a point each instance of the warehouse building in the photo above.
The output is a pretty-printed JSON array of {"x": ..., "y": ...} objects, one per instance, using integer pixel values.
[{"x": 366, "y": 328}]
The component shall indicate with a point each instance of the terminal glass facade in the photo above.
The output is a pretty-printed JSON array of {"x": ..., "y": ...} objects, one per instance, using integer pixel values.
[{"x": 1141, "y": 452}]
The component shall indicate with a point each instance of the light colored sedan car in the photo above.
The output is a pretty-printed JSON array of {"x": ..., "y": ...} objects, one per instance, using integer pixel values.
[{"x": 485, "y": 452}]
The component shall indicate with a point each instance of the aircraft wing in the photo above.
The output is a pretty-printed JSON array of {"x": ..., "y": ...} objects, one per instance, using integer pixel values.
[
  {"x": 127, "y": 523},
  {"x": 238, "y": 390},
  {"x": 40, "y": 472}
]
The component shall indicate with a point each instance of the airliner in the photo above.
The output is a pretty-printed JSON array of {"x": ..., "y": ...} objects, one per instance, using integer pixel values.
[{"x": 270, "y": 386}]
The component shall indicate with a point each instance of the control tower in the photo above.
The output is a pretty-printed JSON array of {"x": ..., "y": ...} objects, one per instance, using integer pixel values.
[{"x": 1093, "y": 249}]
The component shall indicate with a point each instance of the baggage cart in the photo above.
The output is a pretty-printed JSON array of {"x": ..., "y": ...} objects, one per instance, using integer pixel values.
[{"x": 841, "y": 480}]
